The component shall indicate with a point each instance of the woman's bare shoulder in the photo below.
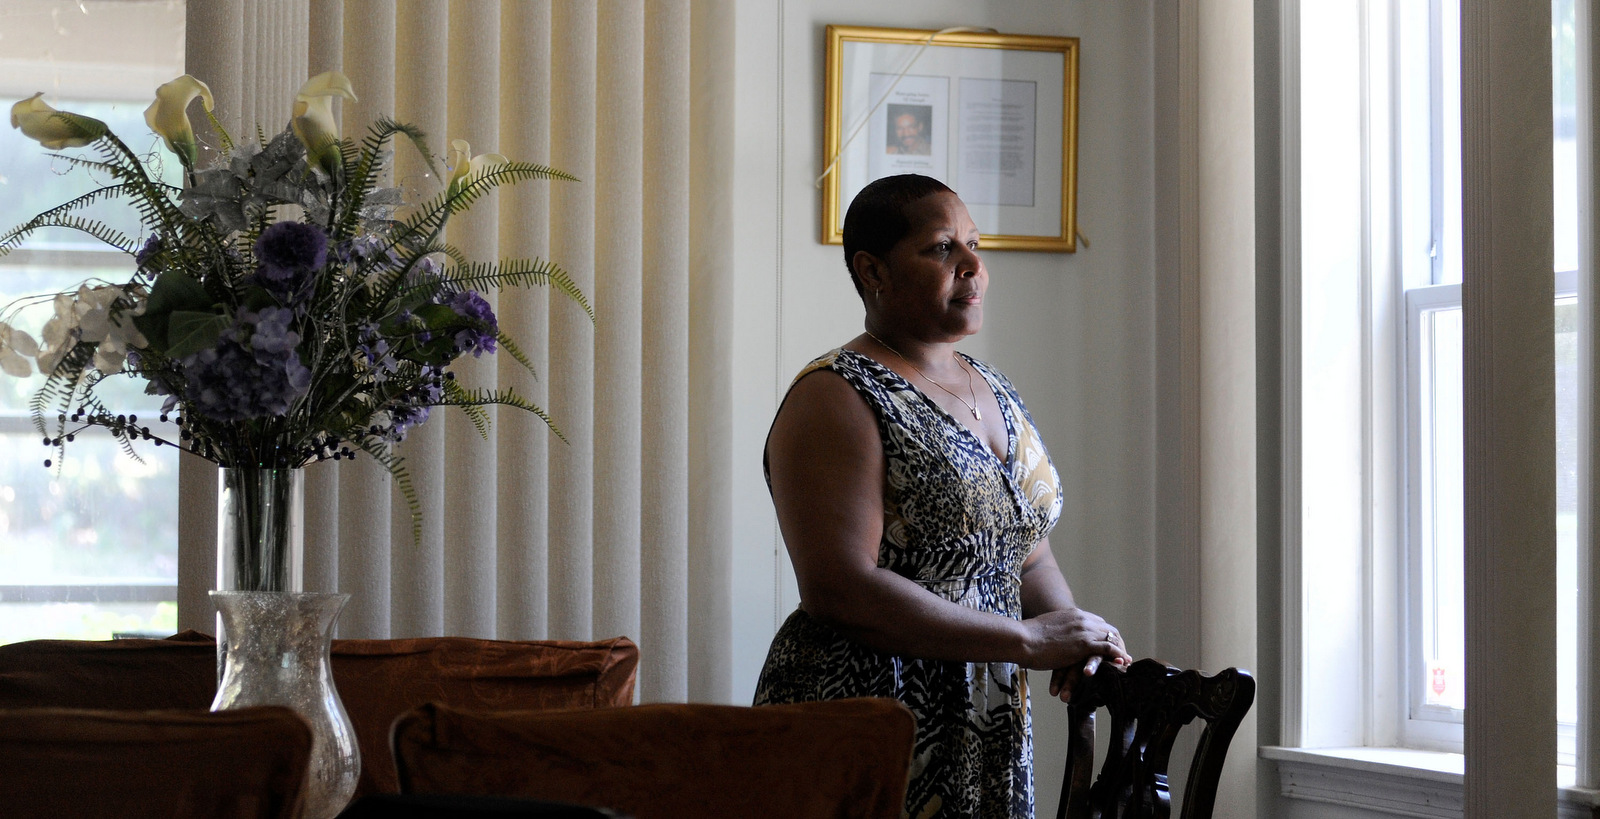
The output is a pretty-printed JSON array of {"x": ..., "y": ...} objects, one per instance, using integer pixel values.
[
  {"x": 825, "y": 465},
  {"x": 822, "y": 401}
]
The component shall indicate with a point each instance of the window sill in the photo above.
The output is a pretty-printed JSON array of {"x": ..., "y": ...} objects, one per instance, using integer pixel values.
[{"x": 1397, "y": 781}]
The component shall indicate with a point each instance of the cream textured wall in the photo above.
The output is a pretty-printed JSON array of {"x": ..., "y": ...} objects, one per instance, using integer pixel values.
[{"x": 1075, "y": 332}]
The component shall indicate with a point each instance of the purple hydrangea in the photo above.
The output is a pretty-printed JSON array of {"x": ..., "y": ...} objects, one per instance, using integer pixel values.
[
  {"x": 375, "y": 351},
  {"x": 253, "y": 372},
  {"x": 363, "y": 249},
  {"x": 480, "y": 338},
  {"x": 411, "y": 408},
  {"x": 404, "y": 417}
]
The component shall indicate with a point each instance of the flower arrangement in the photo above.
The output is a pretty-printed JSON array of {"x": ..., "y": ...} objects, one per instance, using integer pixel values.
[{"x": 277, "y": 302}]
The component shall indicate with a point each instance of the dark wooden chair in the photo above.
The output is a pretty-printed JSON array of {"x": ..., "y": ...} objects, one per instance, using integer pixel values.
[{"x": 1149, "y": 704}]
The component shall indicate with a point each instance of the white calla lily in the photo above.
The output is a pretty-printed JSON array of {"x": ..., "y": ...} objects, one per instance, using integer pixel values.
[
  {"x": 460, "y": 161},
  {"x": 464, "y": 166},
  {"x": 54, "y": 129},
  {"x": 168, "y": 115},
  {"x": 313, "y": 120},
  {"x": 483, "y": 162}
]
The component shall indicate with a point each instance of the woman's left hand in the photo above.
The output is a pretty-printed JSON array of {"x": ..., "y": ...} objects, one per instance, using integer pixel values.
[
  {"x": 1045, "y": 590},
  {"x": 1063, "y": 681}
]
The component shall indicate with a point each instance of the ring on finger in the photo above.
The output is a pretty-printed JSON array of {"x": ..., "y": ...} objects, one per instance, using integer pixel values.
[{"x": 1111, "y": 636}]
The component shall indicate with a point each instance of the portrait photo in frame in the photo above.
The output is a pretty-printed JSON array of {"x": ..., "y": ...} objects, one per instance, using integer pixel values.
[{"x": 994, "y": 116}]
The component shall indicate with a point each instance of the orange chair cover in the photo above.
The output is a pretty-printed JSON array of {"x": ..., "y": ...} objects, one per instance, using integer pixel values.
[
  {"x": 817, "y": 759},
  {"x": 245, "y": 764}
]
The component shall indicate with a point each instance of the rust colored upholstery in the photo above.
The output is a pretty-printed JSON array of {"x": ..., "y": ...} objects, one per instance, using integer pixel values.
[
  {"x": 377, "y": 679},
  {"x": 816, "y": 759},
  {"x": 249, "y": 764},
  {"x": 381, "y": 679},
  {"x": 122, "y": 675}
]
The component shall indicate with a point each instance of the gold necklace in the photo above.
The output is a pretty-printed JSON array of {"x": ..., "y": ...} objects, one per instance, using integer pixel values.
[{"x": 972, "y": 406}]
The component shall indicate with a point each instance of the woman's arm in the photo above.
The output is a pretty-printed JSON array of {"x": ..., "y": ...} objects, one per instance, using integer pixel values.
[
  {"x": 826, "y": 464},
  {"x": 1044, "y": 589}
]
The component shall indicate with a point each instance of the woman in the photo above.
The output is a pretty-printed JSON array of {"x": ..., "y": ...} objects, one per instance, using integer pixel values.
[{"x": 915, "y": 497}]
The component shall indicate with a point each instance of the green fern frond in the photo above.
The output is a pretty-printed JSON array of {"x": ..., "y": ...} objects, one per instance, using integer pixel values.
[
  {"x": 385, "y": 129},
  {"x": 451, "y": 252},
  {"x": 363, "y": 168},
  {"x": 155, "y": 204},
  {"x": 90, "y": 198},
  {"x": 384, "y": 455},
  {"x": 509, "y": 347},
  {"x": 222, "y": 133},
  {"x": 457, "y": 396},
  {"x": 61, "y": 386},
  {"x": 95, "y": 228},
  {"x": 507, "y": 273},
  {"x": 455, "y": 199},
  {"x": 430, "y": 218}
]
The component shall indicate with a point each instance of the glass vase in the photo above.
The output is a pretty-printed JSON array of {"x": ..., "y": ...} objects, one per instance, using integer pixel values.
[
  {"x": 260, "y": 536},
  {"x": 261, "y": 530},
  {"x": 279, "y": 655}
]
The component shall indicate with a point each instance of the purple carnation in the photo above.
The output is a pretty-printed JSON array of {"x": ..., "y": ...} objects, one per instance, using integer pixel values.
[
  {"x": 289, "y": 252},
  {"x": 292, "y": 246}
]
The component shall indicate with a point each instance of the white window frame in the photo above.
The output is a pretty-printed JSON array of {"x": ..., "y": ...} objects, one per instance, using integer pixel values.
[
  {"x": 1434, "y": 727},
  {"x": 1423, "y": 726}
]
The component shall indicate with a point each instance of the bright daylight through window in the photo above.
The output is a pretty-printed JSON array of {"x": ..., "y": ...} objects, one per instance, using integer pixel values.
[
  {"x": 1435, "y": 646},
  {"x": 88, "y": 546}
]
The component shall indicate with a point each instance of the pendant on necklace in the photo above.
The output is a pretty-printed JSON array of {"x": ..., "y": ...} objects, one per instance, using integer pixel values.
[{"x": 976, "y": 416}]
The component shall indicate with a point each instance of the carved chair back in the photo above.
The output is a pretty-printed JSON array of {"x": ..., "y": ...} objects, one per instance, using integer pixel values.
[{"x": 1149, "y": 704}]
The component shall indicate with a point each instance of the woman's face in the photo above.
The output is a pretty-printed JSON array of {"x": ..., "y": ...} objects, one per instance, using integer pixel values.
[{"x": 935, "y": 280}]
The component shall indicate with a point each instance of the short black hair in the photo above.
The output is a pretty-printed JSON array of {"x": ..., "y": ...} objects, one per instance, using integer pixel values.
[{"x": 876, "y": 220}]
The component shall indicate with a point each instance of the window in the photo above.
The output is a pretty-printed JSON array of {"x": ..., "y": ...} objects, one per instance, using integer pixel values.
[
  {"x": 88, "y": 547},
  {"x": 1373, "y": 595},
  {"x": 1435, "y": 652}
]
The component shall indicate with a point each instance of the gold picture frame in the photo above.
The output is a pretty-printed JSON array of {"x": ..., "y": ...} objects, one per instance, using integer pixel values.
[{"x": 994, "y": 116}]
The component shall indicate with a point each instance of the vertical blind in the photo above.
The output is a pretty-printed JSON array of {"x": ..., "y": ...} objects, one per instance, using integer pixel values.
[{"x": 527, "y": 536}]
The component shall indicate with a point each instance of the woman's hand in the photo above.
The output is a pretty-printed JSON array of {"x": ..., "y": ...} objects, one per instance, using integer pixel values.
[
  {"x": 1063, "y": 637},
  {"x": 1073, "y": 642},
  {"x": 1058, "y": 639}
]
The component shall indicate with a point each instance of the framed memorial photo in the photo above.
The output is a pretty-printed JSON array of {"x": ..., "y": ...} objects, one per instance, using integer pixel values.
[{"x": 994, "y": 116}]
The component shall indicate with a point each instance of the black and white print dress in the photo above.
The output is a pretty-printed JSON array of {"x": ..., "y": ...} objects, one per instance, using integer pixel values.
[{"x": 959, "y": 522}]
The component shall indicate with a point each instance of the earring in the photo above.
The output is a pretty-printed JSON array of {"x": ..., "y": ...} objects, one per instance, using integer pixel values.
[{"x": 877, "y": 295}]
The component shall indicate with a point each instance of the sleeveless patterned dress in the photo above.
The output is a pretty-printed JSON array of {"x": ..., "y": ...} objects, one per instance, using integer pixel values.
[{"x": 959, "y": 523}]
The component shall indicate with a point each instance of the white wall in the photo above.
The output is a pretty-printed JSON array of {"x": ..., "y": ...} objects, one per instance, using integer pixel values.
[{"x": 1075, "y": 332}]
